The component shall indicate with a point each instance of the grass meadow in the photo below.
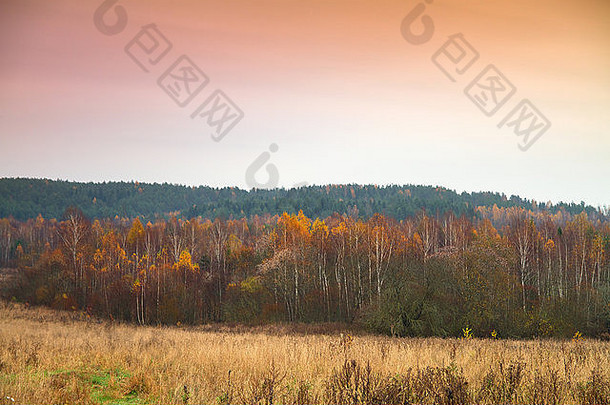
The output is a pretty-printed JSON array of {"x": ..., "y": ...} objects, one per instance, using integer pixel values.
[{"x": 49, "y": 357}]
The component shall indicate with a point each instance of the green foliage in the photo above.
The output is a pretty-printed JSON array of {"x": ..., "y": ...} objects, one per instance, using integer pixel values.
[
  {"x": 412, "y": 308},
  {"x": 26, "y": 198},
  {"x": 245, "y": 301}
]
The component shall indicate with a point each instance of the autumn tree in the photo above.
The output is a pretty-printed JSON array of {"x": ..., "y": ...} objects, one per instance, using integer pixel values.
[
  {"x": 73, "y": 232},
  {"x": 522, "y": 233}
]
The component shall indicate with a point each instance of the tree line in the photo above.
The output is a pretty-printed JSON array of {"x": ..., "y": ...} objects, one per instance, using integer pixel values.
[
  {"x": 24, "y": 199},
  {"x": 506, "y": 270}
]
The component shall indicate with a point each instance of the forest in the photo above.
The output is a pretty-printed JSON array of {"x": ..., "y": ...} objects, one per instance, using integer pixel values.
[
  {"x": 503, "y": 271},
  {"x": 23, "y": 199}
]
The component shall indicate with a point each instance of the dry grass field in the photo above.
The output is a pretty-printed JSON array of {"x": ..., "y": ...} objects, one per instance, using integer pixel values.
[{"x": 49, "y": 357}]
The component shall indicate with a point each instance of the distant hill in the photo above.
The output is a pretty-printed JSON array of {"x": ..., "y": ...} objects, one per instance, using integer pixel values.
[{"x": 26, "y": 198}]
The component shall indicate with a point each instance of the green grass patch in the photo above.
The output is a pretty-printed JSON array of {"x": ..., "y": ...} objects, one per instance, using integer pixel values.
[
  {"x": 8, "y": 377},
  {"x": 108, "y": 387},
  {"x": 88, "y": 385},
  {"x": 105, "y": 387}
]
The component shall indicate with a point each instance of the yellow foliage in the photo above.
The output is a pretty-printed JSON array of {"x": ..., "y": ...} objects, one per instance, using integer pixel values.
[
  {"x": 319, "y": 227},
  {"x": 467, "y": 333},
  {"x": 339, "y": 229},
  {"x": 185, "y": 262},
  {"x": 136, "y": 233}
]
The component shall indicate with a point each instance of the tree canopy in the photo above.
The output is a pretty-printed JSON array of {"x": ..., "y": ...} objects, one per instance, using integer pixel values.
[{"x": 27, "y": 198}]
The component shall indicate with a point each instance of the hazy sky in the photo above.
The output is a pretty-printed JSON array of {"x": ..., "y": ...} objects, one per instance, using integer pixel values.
[{"x": 333, "y": 83}]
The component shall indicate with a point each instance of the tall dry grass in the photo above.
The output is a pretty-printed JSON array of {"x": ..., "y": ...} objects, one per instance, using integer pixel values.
[{"x": 50, "y": 357}]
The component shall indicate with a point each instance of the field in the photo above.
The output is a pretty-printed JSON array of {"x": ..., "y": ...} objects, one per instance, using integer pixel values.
[{"x": 62, "y": 357}]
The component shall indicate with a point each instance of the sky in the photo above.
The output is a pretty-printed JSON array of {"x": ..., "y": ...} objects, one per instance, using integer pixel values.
[{"x": 286, "y": 92}]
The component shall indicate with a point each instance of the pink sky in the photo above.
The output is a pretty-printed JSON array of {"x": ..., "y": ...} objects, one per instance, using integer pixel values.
[{"x": 332, "y": 83}]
